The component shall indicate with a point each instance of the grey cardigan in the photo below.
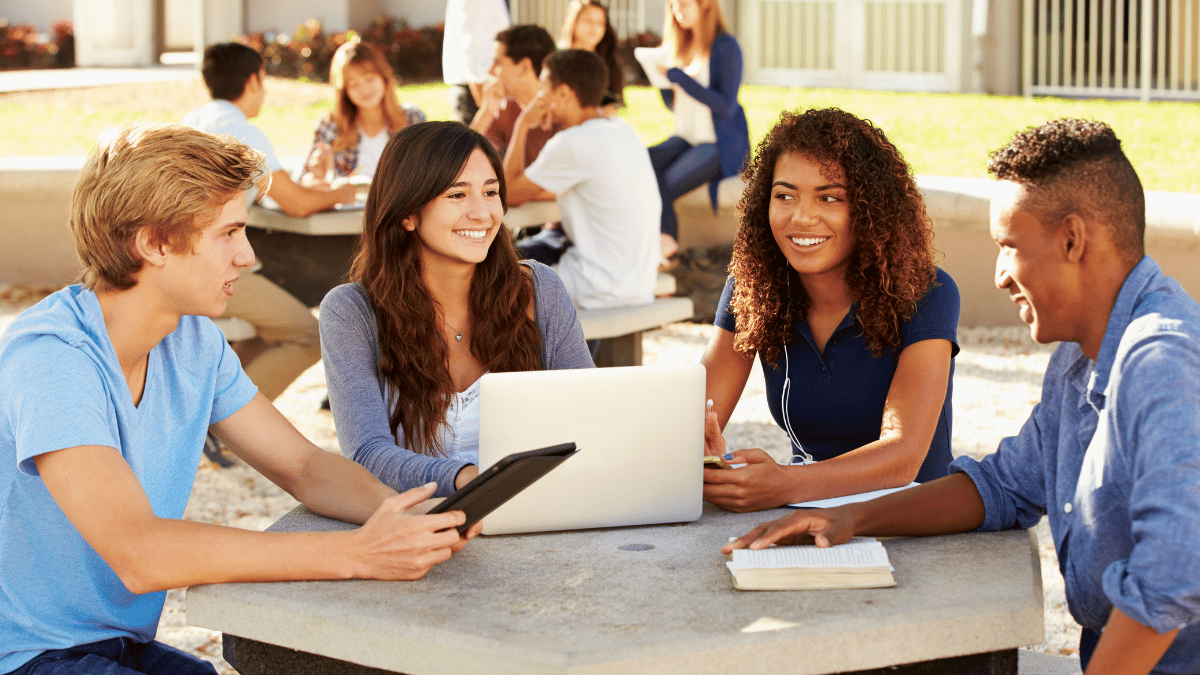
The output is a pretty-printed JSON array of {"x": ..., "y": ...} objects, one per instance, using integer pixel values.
[{"x": 350, "y": 352}]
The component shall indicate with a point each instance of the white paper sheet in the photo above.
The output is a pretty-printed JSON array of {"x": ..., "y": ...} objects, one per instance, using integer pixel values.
[
  {"x": 651, "y": 58},
  {"x": 848, "y": 499}
]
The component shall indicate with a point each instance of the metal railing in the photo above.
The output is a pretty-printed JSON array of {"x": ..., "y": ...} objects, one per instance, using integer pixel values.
[{"x": 1145, "y": 49}]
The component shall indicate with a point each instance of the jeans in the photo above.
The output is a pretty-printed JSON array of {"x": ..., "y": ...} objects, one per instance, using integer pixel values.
[
  {"x": 1088, "y": 639},
  {"x": 116, "y": 656},
  {"x": 681, "y": 168},
  {"x": 545, "y": 247},
  {"x": 463, "y": 103}
]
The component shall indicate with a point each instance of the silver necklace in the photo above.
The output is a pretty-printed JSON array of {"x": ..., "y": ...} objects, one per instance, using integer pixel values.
[{"x": 457, "y": 333}]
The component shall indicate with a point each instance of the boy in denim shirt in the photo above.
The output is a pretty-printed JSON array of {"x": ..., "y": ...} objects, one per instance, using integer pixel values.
[{"x": 1112, "y": 451}]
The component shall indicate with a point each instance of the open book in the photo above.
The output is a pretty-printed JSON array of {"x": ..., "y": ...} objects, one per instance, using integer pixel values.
[{"x": 861, "y": 562}]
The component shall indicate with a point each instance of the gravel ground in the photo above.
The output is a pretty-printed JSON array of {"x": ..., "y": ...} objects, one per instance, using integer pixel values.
[{"x": 997, "y": 380}]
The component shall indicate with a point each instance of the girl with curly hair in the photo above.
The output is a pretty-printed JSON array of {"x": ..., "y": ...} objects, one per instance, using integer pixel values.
[
  {"x": 437, "y": 298},
  {"x": 833, "y": 285},
  {"x": 349, "y": 140}
]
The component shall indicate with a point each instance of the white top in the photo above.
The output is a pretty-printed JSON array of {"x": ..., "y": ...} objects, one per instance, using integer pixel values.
[
  {"x": 608, "y": 197},
  {"x": 468, "y": 37},
  {"x": 223, "y": 118},
  {"x": 370, "y": 148},
  {"x": 693, "y": 119},
  {"x": 460, "y": 436}
]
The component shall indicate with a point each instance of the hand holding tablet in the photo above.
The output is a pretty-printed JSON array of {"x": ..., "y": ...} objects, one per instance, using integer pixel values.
[{"x": 502, "y": 481}]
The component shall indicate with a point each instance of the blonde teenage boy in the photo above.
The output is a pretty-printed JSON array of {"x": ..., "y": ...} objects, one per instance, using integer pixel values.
[{"x": 108, "y": 390}]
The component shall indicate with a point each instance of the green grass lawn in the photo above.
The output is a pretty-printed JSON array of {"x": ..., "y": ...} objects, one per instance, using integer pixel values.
[{"x": 940, "y": 134}]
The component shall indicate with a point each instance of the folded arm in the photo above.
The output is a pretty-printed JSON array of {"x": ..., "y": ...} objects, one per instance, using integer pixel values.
[
  {"x": 721, "y": 96},
  {"x": 299, "y": 201},
  {"x": 520, "y": 188}
]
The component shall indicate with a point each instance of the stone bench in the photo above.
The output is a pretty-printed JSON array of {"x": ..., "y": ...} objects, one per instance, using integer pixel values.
[
  {"x": 699, "y": 227},
  {"x": 620, "y": 328}
]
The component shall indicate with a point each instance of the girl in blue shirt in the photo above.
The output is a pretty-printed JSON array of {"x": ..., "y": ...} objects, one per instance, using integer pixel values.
[
  {"x": 833, "y": 286},
  {"x": 711, "y": 138}
]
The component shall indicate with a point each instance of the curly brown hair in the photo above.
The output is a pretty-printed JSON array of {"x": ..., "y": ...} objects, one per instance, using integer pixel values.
[
  {"x": 417, "y": 165},
  {"x": 891, "y": 266}
]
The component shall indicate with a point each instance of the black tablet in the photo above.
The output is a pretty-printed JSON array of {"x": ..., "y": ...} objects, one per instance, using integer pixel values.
[{"x": 502, "y": 481}]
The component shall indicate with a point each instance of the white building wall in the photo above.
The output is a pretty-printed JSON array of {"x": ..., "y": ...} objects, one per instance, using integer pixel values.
[
  {"x": 418, "y": 13},
  {"x": 284, "y": 15}
]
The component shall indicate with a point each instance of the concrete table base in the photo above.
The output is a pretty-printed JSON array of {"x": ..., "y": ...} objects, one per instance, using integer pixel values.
[
  {"x": 304, "y": 265},
  {"x": 251, "y": 657},
  {"x": 639, "y": 600}
]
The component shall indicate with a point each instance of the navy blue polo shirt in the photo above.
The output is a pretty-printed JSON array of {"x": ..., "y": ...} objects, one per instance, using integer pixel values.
[{"x": 835, "y": 402}]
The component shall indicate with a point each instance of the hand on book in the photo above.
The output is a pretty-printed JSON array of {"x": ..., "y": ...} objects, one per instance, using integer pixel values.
[
  {"x": 824, "y": 527},
  {"x": 761, "y": 484}
]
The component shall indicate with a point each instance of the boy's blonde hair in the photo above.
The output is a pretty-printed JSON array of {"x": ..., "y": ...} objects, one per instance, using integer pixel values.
[{"x": 168, "y": 178}]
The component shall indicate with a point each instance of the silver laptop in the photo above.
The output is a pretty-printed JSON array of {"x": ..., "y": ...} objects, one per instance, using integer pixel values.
[{"x": 640, "y": 432}]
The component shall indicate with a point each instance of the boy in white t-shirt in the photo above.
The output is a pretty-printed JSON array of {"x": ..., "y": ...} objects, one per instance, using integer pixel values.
[
  {"x": 109, "y": 389},
  {"x": 600, "y": 173}
]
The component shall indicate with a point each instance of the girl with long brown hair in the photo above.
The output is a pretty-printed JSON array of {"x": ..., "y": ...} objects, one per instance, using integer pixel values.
[
  {"x": 833, "y": 285},
  {"x": 437, "y": 298},
  {"x": 366, "y": 112},
  {"x": 587, "y": 26}
]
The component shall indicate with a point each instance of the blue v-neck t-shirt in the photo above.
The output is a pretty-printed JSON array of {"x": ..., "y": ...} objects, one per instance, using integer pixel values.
[
  {"x": 61, "y": 386},
  {"x": 836, "y": 399}
]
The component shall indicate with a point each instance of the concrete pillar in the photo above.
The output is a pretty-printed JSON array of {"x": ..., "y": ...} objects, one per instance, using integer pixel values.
[
  {"x": 116, "y": 33},
  {"x": 224, "y": 20}
]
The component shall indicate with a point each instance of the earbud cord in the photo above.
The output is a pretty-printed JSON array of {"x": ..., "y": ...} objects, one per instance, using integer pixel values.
[{"x": 803, "y": 457}]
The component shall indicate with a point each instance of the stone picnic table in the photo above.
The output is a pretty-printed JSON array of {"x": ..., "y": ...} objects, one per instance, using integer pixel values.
[{"x": 654, "y": 599}]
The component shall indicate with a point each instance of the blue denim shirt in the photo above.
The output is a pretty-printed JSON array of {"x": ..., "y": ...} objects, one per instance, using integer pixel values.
[{"x": 1112, "y": 454}]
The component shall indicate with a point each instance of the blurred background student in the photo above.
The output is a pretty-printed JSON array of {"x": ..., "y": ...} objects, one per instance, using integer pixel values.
[
  {"x": 366, "y": 112},
  {"x": 517, "y": 55},
  {"x": 467, "y": 50},
  {"x": 588, "y": 27},
  {"x": 711, "y": 138}
]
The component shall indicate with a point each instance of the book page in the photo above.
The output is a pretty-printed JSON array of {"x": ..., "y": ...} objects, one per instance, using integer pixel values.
[{"x": 860, "y": 552}]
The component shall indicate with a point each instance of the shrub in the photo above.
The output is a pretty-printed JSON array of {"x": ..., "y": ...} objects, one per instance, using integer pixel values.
[
  {"x": 415, "y": 54},
  {"x": 22, "y": 46}
]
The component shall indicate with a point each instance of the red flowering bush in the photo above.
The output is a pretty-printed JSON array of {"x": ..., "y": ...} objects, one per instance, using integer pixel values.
[
  {"x": 415, "y": 54},
  {"x": 22, "y": 46}
]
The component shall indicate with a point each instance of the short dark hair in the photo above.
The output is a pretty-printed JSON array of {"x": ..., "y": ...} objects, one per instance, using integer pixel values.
[
  {"x": 226, "y": 68},
  {"x": 1077, "y": 166},
  {"x": 527, "y": 41},
  {"x": 583, "y": 71}
]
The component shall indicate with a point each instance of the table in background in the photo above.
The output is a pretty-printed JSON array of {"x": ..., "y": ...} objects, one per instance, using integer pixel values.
[{"x": 647, "y": 599}]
